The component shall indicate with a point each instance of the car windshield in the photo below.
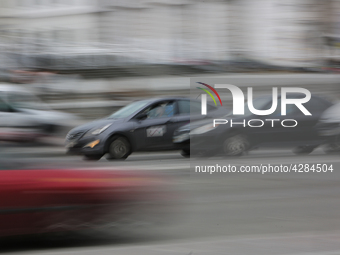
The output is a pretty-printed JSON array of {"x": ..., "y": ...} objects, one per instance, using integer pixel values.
[
  {"x": 128, "y": 110},
  {"x": 25, "y": 100}
]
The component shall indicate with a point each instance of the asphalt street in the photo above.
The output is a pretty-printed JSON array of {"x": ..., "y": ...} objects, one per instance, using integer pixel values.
[{"x": 227, "y": 213}]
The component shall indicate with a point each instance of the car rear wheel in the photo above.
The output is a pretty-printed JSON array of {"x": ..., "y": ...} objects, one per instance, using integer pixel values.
[
  {"x": 235, "y": 145},
  {"x": 119, "y": 148}
]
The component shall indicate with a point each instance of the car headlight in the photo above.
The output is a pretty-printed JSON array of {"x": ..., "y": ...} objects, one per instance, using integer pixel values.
[
  {"x": 203, "y": 129},
  {"x": 97, "y": 131}
]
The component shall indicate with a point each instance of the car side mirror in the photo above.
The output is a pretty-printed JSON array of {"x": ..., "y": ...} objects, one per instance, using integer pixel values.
[{"x": 141, "y": 116}]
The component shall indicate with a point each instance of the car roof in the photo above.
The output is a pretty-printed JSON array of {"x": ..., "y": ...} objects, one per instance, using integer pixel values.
[
  {"x": 160, "y": 99},
  {"x": 166, "y": 98}
]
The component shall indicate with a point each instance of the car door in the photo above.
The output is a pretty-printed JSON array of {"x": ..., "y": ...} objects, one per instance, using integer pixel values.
[
  {"x": 184, "y": 107},
  {"x": 256, "y": 132},
  {"x": 272, "y": 131},
  {"x": 180, "y": 118},
  {"x": 153, "y": 131}
]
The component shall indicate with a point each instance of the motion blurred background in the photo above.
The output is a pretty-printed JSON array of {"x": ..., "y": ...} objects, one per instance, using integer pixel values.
[
  {"x": 78, "y": 35},
  {"x": 86, "y": 54}
]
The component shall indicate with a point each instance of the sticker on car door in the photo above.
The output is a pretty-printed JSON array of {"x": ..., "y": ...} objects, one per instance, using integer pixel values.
[{"x": 155, "y": 131}]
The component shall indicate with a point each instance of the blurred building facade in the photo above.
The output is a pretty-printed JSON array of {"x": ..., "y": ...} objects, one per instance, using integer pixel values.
[{"x": 60, "y": 34}]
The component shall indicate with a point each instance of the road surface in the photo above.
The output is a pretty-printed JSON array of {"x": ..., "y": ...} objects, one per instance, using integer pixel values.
[{"x": 229, "y": 213}]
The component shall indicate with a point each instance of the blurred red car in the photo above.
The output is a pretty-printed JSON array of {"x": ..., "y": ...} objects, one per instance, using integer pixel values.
[{"x": 49, "y": 200}]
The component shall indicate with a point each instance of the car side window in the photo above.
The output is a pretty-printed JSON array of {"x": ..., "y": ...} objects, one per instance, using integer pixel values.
[
  {"x": 186, "y": 107},
  {"x": 195, "y": 108},
  {"x": 160, "y": 110}
]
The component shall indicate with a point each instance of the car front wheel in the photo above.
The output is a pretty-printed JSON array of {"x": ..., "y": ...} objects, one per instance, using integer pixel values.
[
  {"x": 235, "y": 145},
  {"x": 119, "y": 148}
]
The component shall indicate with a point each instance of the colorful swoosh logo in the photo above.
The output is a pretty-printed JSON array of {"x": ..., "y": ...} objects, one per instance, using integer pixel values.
[{"x": 208, "y": 92}]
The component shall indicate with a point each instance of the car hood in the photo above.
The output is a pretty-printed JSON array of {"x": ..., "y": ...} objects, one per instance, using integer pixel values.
[{"x": 96, "y": 124}]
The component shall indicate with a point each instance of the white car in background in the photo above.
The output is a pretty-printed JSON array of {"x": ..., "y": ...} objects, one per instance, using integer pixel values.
[
  {"x": 329, "y": 128},
  {"x": 24, "y": 117}
]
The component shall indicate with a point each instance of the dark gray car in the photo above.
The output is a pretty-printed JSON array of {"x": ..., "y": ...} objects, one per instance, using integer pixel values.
[
  {"x": 146, "y": 125},
  {"x": 208, "y": 139}
]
